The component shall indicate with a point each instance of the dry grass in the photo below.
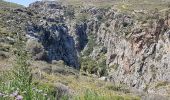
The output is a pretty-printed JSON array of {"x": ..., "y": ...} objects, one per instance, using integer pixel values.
[{"x": 78, "y": 83}]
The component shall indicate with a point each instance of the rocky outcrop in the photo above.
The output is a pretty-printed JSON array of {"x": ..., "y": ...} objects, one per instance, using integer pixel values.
[
  {"x": 48, "y": 35},
  {"x": 58, "y": 44},
  {"x": 51, "y": 31},
  {"x": 138, "y": 57}
]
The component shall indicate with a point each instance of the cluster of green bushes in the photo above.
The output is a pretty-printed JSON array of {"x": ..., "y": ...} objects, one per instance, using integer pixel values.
[
  {"x": 82, "y": 17},
  {"x": 91, "y": 66},
  {"x": 91, "y": 44}
]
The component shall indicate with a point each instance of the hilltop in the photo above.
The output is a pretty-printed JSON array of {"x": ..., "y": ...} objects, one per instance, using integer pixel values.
[
  {"x": 4, "y": 4},
  {"x": 121, "y": 4}
]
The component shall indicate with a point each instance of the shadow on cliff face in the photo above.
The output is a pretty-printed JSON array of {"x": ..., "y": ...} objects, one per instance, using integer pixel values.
[
  {"x": 57, "y": 43},
  {"x": 51, "y": 31},
  {"x": 82, "y": 36}
]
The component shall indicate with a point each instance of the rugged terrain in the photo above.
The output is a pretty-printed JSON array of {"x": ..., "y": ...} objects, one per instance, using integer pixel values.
[{"x": 113, "y": 41}]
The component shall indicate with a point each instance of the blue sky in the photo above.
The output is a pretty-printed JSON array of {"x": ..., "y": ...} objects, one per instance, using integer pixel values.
[{"x": 22, "y": 2}]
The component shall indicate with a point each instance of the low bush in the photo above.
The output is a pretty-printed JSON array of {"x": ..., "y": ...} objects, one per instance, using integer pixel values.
[
  {"x": 91, "y": 44},
  {"x": 119, "y": 88},
  {"x": 69, "y": 12},
  {"x": 36, "y": 50},
  {"x": 161, "y": 84},
  {"x": 91, "y": 66},
  {"x": 82, "y": 17},
  {"x": 4, "y": 55}
]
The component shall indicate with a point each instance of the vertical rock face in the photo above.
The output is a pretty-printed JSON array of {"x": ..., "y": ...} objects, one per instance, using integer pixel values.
[
  {"x": 140, "y": 58},
  {"x": 82, "y": 37},
  {"x": 58, "y": 44}
]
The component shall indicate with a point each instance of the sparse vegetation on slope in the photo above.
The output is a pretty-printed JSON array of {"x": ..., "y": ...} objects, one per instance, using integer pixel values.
[
  {"x": 4, "y": 4},
  {"x": 17, "y": 83},
  {"x": 108, "y": 41}
]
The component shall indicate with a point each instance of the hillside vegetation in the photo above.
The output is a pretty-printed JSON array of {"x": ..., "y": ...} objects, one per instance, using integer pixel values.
[
  {"x": 121, "y": 4},
  {"x": 4, "y": 4},
  {"x": 85, "y": 50}
]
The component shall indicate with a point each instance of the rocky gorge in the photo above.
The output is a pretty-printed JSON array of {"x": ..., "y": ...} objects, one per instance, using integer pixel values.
[{"x": 131, "y": 49}]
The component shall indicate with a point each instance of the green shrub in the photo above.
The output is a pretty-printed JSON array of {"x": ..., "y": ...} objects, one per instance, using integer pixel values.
[
  {"x": 119, "y": 88},
  {"x": 36, "y": 50},
  {"x": 18, "y": 81},
  {"x": 160, "y": 84},
  {"x": 102, "y": 68},
  {"x": 89, "y": 65},
  {"x": 4, "y": 55},
  {"x": 114, "y": 66},
  {"x": 82, "y": 17},
  {"x": 114, "y": 88},
  {"x": 22, "y": 77},
  {"x": 69, "y": 12},
  {"x": 91, "y": 44}
]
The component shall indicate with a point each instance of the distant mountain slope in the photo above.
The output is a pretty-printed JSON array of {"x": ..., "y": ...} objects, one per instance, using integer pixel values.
[
  {"x": 9, "y": 4},
  {"x": 121, "y": 4}
]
